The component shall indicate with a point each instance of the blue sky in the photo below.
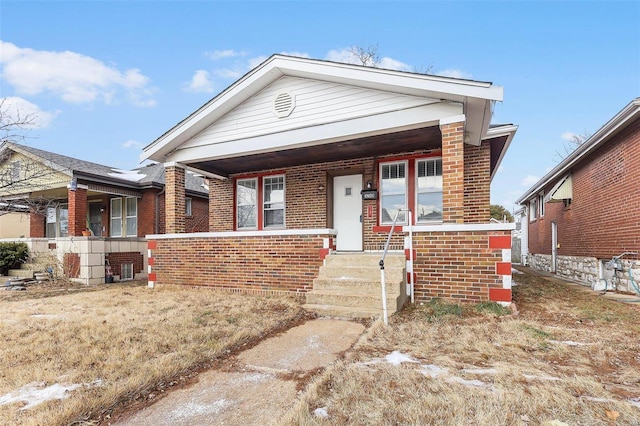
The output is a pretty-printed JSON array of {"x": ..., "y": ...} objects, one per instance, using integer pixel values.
[{"x": 107, "y": 78}]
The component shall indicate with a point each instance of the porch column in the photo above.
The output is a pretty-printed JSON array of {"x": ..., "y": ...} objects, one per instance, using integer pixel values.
[
  {"x": 174, "y": 198},
  {"x": 77, "y": 195},
  {"x": 37, "y": 224},
  {"x": 452, "y": 169}
]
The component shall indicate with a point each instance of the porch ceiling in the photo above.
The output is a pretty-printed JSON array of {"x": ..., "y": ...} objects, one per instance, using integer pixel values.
[{"x": 372, "y": 146}]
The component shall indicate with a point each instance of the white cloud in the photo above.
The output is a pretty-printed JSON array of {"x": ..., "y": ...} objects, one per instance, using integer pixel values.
[
  {"x": 131, "y": 144},
  {"x": 454, "y": 73},
  {"x": 74, "y": 77},
  {"x": 239, "y": 68},
  {"x": 347, "y": 56},
  {"x": 529, "y": 180},
  {"x": 297, "y": 54},
  {"x": 569, "y": 136},
  {"x": 200, "y": 82},
  {"x": 393, "y": 64},
  {"x": 18, "y": 109},
  {"x": 223, "y": 54}
]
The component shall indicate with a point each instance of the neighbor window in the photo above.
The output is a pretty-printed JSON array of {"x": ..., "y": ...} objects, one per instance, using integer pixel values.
[
  {"x": 124, "y": 217},
  {"x": 188, "y": 207},
  {"x": 393, "y": 192},
  {"x": 429, "y": 190},
  {"x": 533, "y": 210},
  {"x": 260, "y": 202},
  {"x": 541, "y": 204}
]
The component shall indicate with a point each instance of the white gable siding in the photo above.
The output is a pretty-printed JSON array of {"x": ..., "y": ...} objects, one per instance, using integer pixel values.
[{"x": 316, "y": 102}]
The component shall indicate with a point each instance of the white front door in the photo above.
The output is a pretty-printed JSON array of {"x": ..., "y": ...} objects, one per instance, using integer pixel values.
[{"x": 347, "y": 212}]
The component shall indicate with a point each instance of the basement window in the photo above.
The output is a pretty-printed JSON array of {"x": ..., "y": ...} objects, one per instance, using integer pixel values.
[{"x": 126, "y": 271}]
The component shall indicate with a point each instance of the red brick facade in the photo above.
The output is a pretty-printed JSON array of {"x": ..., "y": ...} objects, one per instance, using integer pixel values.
[
  {"x": 175, "y": 198},
  {"x": 453, "y": 180},
  {"x": 477, "y": 183},
  {"x": 602, "y": 219},
  {"x": 77, "y": 211}
]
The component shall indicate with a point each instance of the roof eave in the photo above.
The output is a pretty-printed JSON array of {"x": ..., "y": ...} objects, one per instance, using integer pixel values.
[{"x": 509, "y": 131}]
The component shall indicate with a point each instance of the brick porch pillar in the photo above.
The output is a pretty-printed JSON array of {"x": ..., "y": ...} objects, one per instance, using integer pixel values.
[
  {"x": 452, "y": 170},
  {"x": 77, "y": 209},
  {"x": 174, "y": 198}
]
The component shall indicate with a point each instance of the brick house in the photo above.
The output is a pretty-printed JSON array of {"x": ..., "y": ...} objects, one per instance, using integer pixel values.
[
  {"x": 309, "y": 159},
  {"x": 72, "y": 200},
  {"x": 585, "y": 211}
]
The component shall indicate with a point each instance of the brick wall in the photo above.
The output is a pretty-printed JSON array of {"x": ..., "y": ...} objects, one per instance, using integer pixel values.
[
  {"x": 453, "y": 167},
  {"x": 477, "y": 183},
  {"x": 248, "y": 263},
  {"x": 77, "y": 211},
  {"x": 199, "y": 219},
  {"x": 117, "y": 259},
  {"x": 71, "y": 265},
  {"x": 37, "y": 224},
  {"x": 602, "y": 220},
  {"x": 458, "y": 265},
  {"x": 147, "y": 212}
]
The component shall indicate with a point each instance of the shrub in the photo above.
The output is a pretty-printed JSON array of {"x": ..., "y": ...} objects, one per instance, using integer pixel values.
[{"x": 11, "y": 255}]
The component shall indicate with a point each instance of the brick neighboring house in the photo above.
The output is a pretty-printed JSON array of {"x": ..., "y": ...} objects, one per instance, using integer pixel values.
[
  {"x": 308, "y": 159},
  {"x": 90, "y": 213},
  {"x": 586, "y": 211}
]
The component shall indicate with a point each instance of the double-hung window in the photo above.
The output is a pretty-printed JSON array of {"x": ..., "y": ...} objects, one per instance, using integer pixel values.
[
  {"x": 393, "y": 196},
  {"x": 260, "y": 202},
  {"x": 123, "y": 217},
  {"x": 541, "y": 204},
  {"x": 429, "y": 190}
]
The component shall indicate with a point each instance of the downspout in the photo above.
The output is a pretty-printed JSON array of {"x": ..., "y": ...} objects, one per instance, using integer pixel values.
[{"x": 157, "y": 221}]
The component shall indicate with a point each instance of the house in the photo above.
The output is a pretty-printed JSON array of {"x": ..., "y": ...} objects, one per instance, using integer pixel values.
[
  {"x": 309, "y": 159},
  {"x": 90, "y": 213},
  {"x": 581, "y": 219}
]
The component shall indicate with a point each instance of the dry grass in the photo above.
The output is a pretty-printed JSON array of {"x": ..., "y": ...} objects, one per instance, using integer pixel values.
[
  {"x": 129, "y": 337},
  {"x": 569, "y": 355}
]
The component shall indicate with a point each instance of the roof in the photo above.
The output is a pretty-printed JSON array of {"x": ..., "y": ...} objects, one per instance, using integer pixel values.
[
  {"x": 605, "y": 134},
  {"x": 477, "y": 96},
  {"x": 142, "y": 177}
]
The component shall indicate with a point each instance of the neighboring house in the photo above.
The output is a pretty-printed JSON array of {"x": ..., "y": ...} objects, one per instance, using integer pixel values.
[
  {"x": 586, "y": 211},
  {"x": 14, "y": 224},
  {"x": 69, "y": 198},
  {"x": 307, "y": 158}
]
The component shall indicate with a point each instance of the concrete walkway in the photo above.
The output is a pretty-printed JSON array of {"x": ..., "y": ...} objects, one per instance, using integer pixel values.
[{"x": 259, "y": 385}]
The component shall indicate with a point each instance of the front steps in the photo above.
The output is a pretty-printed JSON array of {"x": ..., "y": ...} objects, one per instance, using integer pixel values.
[{"x": 348, "y": 285}]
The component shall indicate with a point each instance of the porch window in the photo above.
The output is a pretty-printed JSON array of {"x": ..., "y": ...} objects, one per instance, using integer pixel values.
[
  {"x": 246, "y": 203},
  {"x": 429, "y": 190},
  {"x": 393, "y": 196},
  {"x": 124, "y": 217},
  {"x": 260, "y": 202},
  {"x": 273, "y": 202},
  {"x": 57, "y": 221}
]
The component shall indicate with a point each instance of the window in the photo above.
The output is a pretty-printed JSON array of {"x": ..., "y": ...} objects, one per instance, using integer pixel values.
[
  {"x": 533, "y": 209},
  {"x": 273, "y": 202},
  {"x": 188, "y": 207},
  {"x": 260, "y": 202},
  {"x": 126, "y": 271},
  {"x": 429, "y": 190},
  {"x": 246, "y": 203},
  {"x": 541, "y": 204},
  {"x": 393, "y": 194},
  {"x": 124, "y": 221},
  {"x": 57, "y": 221}
]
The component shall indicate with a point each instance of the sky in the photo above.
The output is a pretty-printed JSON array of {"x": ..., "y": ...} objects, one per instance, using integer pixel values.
[{"x": 106, "y": 78}]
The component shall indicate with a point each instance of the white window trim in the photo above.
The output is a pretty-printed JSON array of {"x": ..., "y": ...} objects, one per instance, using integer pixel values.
[
  {"x": 284, "y": 203},
  {"x": 112, "y": 217},
  {"x": 122, "y": 217},
  {"x": 126, "y": 216},
  {"x": 188, "y": 206},
  {"x": 533, "y": 210},
  {"x": 417, "y": 191},
  {"x": 406, "y": 190},
  {"x": 541, "y": 204},
  {"x": 236, "y": 207}
]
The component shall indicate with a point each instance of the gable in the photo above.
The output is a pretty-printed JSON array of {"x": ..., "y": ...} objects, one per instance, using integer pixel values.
[
  {"x": 312, "y": 102},
  {"x": 21, "y": 174}
]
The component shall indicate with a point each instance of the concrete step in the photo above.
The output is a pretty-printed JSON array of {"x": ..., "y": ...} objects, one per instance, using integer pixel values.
[
  {"x": 337, "y": 284},
  {"x": 356, "y": 300},
  {"x": 361, "y": 272},
  {"x": 344, "y": 311},
  {"x": 365, "y": 259},
  {"x": 23, "y": 273}
]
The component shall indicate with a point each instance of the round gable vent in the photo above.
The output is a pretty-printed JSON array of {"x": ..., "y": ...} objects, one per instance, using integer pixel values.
[{"x": 283, "y": 105}]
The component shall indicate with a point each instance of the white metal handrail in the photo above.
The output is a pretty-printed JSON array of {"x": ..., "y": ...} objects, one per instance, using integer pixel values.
[{"x": 381, "y": 263}]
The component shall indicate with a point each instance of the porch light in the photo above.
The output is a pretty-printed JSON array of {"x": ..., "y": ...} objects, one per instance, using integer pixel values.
[
  {"x": 320, "y": 188},
  {"x": 369, "y": 185}
]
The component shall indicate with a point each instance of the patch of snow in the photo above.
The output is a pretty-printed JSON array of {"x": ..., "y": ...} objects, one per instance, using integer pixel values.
[
  {"x": 480, "y": 370},
  {"x": 532, "y": 377},
  {"x": 515, "y": 271},
  {"x": 634, "y": 401},
  {"x": 192, "y": 409},
  {"x": 36, "y": 393},
  {"x": 569, "y": 343},
  {"x": 254, "y": 378},
  {"x": 472, "y": 383},
  {"x": 313, "y": 342},
  {"x": 432, "y": 371},
  {"x": 594, "y": 399},
  {"x": 47, "y": 316},
  {"x": 396, "y": 358},
  {"x": 130, "y": 175},
  {"x": 321, "y": 412}
]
